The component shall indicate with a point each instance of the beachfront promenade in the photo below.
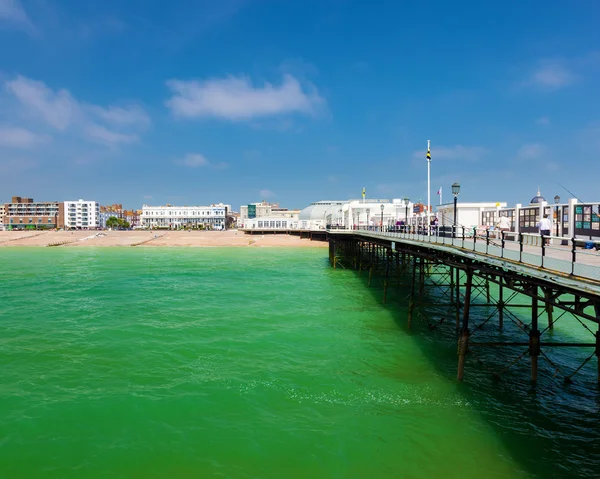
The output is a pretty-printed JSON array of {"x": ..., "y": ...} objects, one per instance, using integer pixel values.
[{"x": 550, "y": 281}]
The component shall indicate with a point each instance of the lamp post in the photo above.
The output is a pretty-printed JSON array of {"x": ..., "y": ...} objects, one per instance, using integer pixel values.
[
  {"x": 381, "y": 222},
  {"x": 339, "y": 218},
  {"x": 428, "y": 185},
  {"x": 556, "y": 201},
  {"x": 455, "y": 193},
  {"x": 406, "y": 202},
  {"x": 368, "y": 214}
]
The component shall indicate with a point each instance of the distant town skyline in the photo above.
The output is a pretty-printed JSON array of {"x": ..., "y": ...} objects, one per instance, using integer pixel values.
[{"x": 239, "y": 101}]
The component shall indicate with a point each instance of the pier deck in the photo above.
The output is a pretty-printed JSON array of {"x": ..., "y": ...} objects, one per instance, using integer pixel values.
[{"x": 554, "y": 280}]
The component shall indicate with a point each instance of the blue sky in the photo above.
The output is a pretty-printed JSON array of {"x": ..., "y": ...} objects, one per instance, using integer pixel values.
[{"x": 196, "y": 102}]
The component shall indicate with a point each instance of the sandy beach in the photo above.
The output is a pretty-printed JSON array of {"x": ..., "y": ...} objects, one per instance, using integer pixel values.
[{"x": 73, "y": 239}]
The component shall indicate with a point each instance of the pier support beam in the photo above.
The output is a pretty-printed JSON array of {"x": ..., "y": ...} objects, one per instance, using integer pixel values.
[
  {"x": 463, "y": 342},
  {"x": 372, "y": 263},
  {"x": 457, "y": 300},
  {"x": 534, "y": 335},
  {"x": 501, "y": 305},
  {"x": 387, "y": 271},
  {"x": 549, "y": 308},
  {"x": 597, "y": 311},
  {"x": 411, "y": 304}
]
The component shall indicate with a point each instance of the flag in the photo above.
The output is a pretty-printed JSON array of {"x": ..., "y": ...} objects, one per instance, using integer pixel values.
[
  {"x": 439, "y": 191},
  {"x": 364, "y": 192}
]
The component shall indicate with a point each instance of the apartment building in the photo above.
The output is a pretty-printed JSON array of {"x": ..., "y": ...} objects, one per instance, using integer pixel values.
[
  {"x": 81, "y": 214},
  {"x": 2, "y": 214},
  {"x": 24, "y": 213},
  {"x": 169, "y": 216}
]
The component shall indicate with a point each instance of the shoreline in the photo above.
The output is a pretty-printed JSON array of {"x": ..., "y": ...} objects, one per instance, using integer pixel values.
[{"x": 159, "y": 238}]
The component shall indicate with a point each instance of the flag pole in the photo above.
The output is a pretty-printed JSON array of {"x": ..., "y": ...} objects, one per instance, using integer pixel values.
[
  {"x": 428, "y": 186},
  {"x": 441, "y": 202}
]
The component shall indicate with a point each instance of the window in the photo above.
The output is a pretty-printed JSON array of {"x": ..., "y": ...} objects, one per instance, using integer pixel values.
[
  {"x": 49, "y": 221},
  {"x": 30, "y": 220}
]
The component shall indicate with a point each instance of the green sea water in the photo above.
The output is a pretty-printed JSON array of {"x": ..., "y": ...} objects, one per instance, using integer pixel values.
[{"x": 254, "y": 363}]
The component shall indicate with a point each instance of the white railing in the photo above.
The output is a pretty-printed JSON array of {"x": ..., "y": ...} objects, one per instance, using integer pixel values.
[{"x": 573, "y": 256}]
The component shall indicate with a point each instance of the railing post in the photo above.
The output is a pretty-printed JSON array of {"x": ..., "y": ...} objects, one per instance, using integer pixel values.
[
  {"x": 487, "y": 240},
  {"x": 474, "y": 238},
  {"x": 520, "y": 247},
  {"x": 502, "y": 243},
  {"x": 573, "y": 254},
  {"x": 543, "y": 250},
  {"x": 463, "y": 236}
]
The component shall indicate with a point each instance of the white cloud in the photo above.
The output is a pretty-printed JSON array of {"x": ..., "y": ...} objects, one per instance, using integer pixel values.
[
  {"x": 196, "y": 160},
  {"x": 236, "y": 99},
  {"x": 264, "y": 194},
  {"x": 21, "y": 138},
  {"x": 530, "y": 151},
  {"x": 59, "y": 109},
  {"x": 129, "y": 116},
  {"x": 101, "y": 134},
  {"x": 456, "y": 152},
  {"x": 13, "y": 13},
  {"x": 111, "y": 125},
  {"x": 551, "y": 75},
  {"x": 544, "y": 121}
]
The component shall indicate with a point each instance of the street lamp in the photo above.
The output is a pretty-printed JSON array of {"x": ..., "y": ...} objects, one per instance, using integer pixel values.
[
  {"x": 556, "y": 201},
  {"x": 455, "y": 193},
  {"x": 406, "y": 202},
  {"x": 368, "y": 214},
  {"x": 381, "y": 222}
]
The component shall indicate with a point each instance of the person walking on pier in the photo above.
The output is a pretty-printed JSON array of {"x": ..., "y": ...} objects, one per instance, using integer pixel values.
[
  {"x": 545, "y": 225},
  {"x": 503, "y": 224}
]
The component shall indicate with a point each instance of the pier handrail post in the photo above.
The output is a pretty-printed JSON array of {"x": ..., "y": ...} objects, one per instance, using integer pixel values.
[
  {"x": 502, "y": 243},
  {"x": 463, "y": 236},
  {"x": 487, "y": 240},
  {"x": 520, "y": 247},
  {"x": 573, "y": 255},
  {"x": 543, "y": 249},
  {"x": 474, "y": 238}
]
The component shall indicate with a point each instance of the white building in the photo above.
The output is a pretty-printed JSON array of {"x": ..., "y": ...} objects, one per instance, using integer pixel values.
[
  {"x": 272, "y": 223},
  {"x": 254, "y": 211},
  {"x": 469, "y": 214},
  {"x": 169, "y": 216},
  {"x": 81, "y": 214}
]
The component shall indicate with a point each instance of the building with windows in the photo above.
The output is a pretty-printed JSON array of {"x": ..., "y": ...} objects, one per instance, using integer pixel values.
[
  {"x": 255, "y": 211},
  {"x": 23, "y": 213},
  {"x": 81, "y": 215},
  {"x": 173, "y": 217},
  {"x": 2, "y": 214}
]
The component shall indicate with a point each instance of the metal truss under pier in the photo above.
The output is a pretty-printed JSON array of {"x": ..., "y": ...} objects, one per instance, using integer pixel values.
[{"x": 461, "y": 275}]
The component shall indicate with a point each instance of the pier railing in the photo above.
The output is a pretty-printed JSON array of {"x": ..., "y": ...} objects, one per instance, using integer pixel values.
[{"x": 571, "y": 256}]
